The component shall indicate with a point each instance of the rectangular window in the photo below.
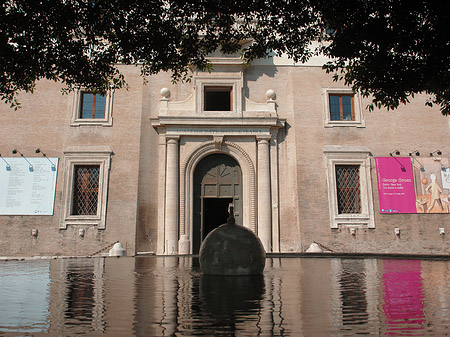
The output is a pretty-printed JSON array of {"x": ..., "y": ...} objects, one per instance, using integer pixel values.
[
  {"x": 92, "y": 106},
  {"x": 85, "y": 189},
  {"x": 341, "y": 107},
  {"x": 218, "y": 98},
  {"x": 348, "y": 189},
  {"x": 349, "y": 186}
]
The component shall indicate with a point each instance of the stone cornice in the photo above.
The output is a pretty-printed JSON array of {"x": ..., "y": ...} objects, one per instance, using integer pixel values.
[{"x": 217, "y": 122}]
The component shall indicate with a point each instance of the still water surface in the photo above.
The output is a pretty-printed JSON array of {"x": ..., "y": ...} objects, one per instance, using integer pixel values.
[{"x": 168, "y": 296}]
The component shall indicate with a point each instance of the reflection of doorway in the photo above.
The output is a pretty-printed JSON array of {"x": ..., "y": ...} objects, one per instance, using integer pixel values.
[{"x": 217, "y": 183}]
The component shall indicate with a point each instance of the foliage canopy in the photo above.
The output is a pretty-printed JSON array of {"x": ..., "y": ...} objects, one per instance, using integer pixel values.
[{"x": 389, "y": 49}]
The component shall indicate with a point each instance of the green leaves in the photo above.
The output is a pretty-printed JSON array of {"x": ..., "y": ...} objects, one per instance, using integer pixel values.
[
  {"x": 386, "y": 49},
  {"x": 393, "y": 49}
]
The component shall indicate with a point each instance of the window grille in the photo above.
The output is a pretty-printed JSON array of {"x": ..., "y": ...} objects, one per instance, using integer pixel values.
[
  {"x": 85, "y": 191},
  {"x": 348, "y": 189}
]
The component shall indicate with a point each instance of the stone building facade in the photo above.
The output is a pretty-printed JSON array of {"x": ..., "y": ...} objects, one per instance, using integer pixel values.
[{"x": 166, "y": 160}]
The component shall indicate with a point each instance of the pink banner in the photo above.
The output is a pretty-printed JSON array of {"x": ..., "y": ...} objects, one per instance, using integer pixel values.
[
  {"x": 395, "y": 185},
  {"x": 432, "y": 180}
]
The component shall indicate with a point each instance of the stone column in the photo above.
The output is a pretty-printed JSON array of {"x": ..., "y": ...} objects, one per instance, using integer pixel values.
[
  {"x": 264, "y": 204},
  {"x": 172, "y": 197}
]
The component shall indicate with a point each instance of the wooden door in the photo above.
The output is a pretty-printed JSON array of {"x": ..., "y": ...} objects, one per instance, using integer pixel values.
[{"x": 217, "y": 182}]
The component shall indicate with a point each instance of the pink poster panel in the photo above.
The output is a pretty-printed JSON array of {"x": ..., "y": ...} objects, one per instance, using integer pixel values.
[
  {"x": 395, "y": 185},
  {"x": 432, "y": 180}
]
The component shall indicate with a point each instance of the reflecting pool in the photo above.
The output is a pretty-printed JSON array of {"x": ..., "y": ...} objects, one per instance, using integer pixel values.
[{"x": 168, "y": 296}]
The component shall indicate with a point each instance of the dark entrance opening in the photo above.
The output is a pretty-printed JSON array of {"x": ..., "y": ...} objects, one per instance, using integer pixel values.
[
  {"x": 215, "y": 213},
  {"x": 217, "y": 183},
  {"x": 218, "y": 99}
]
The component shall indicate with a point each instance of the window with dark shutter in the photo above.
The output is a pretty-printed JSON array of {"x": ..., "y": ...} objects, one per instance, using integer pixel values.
[{"x": 218, "y": 98}]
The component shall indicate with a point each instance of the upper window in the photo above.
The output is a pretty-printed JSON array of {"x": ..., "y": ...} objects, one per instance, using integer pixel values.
[
  {"x": 219, "y": 92},
  {"x": 218, "y": 98},
  {"x": 92, "y": 105},
  {"x": 342, "y": 108},
  {"x": 92, "y": 108}
]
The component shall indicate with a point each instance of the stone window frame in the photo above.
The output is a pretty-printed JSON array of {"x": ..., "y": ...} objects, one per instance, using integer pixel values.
[
  {"x": 76, "y": 119},
  {"x": 350, "y": 155},
  {"x": 358, "y": 122},
  {"x": 85, "y": 155},
  {"x": 236, "y": 85}
]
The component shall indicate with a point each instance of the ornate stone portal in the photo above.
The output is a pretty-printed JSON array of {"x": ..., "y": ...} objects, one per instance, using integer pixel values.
[{"x": 245, "y": 134}]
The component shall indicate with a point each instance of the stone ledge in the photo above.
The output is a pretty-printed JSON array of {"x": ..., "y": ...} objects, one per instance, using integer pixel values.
[
  {"x": 445, "y": 257},
  {"x": 33, "y": 258}
]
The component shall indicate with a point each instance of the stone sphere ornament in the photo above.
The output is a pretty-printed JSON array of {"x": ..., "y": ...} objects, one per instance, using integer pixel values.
[
  {"x": 165, "y": 92},
  {"x": 232, "y": 249},
  {"x": 270, "y": 94}
]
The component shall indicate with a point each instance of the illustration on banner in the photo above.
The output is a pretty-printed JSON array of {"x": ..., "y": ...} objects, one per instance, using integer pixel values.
[{"x": 413, "y": 185}]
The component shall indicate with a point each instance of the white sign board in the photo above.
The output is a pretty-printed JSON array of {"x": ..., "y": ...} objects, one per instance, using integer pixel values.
[{"x": 27, "y": 187}]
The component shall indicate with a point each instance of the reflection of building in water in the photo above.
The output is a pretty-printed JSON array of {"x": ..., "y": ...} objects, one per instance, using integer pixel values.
[
  {"x": 76, "y": 296},
  {"x": 24, "y": 297},
  {"x": 435, "y": 280},
  {"x": 236, "y": 302},
  {"x": 273, "y": 309},
  {"x": 403, "y": 296},
  {"x": 167, "y": 296},
  {"x": 155, "y": 304},
  {"x": 91, "y": 296},
  {"x": 181, "y": 301},
  {"x": 354, "y": 293},
  {"x": 352, "y": 282},
  {"x": 80, "y": 294}
]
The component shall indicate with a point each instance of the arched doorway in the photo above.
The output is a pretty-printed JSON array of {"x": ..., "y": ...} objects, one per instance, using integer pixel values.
[{"x": 217, "y": 183}]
